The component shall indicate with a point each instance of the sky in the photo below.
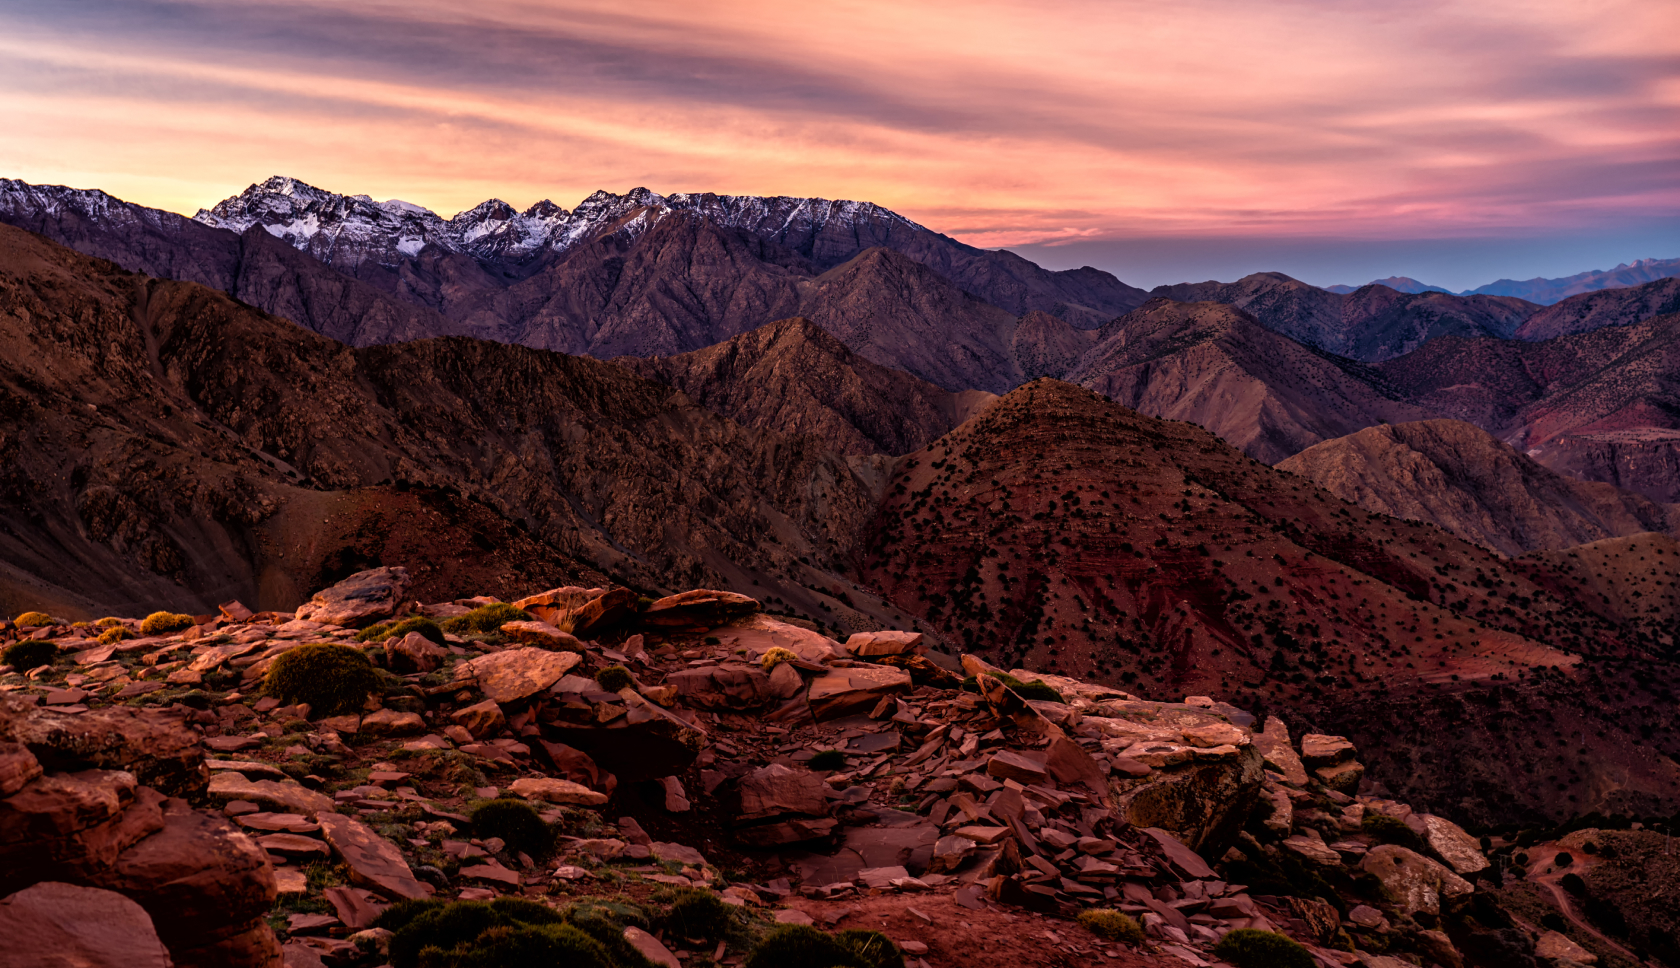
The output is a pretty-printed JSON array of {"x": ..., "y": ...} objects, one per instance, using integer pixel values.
[{"x": 1342, "y": 141}]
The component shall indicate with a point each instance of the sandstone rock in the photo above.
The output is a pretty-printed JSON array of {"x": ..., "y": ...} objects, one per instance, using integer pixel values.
[
  {"x": 285, "y": 796},
  {"x": 1318, "y": 749},
  {"x": 1203, "y": 803},
  {"x": 373, "y": 861},
  {"x": 1157, "y": 753},
  {"x": 949, "y": 852},
  {"x": 646, "y": 743},
  {"x": 870, "y": 644},
  {"x": 1368, "y": 917},
  {"x": 293, "y": 845},
  {"x": 730, "y": 685},
  {"x": 1342, "y": 777},
  {"x": 582, "y": 611},
  {"x": 650, "y": 948},
  {"x": 414, "y": 653},
  {"x": 52, "y": 924},
  {"x": 857, "y": 689},
  {"x": 1415, "y": 882},
  {"x": 551, "y": 790},
  {"x": 18, "y": 767},
  {"x": 698, "y": 609},
  {"x": 506, "y": 677},
  {"x": 579, "y": 767},
  {"x": 157, "y": 747},
  {"x": 1556, "y": 947},
  {"x": 1215, "y": 734},
  {"x": 1010, "y": 765},
  {"x": 480, "y": 719},
  {"x": 1461, "y": 851},
  {"x": 785, "y": 682},
  {"x": 389, "y": 722},
  {"x": 1311, "y": 846},
  {"x": 235, "y": 611},
  {"x": 362, "y": 598},
  {"x": 542, "y": 635},
  {"x": 777, "y": 789},
  {"x": 789, "y": 830}
]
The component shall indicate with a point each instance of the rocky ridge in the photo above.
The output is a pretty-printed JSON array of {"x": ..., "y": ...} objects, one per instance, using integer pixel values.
[{"x": 797, "y": 778}]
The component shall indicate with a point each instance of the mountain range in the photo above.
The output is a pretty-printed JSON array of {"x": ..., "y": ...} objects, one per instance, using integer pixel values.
[
  {"x": 865, "y": 424},
  {"x": 1545, "y": 292}
]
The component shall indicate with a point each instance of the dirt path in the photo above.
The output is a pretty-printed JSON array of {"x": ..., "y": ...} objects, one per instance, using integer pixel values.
[{"x": 1541, "y": 856}]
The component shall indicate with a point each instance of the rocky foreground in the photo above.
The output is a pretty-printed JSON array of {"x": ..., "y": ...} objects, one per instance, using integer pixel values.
[{"x": 160, "y": 805}]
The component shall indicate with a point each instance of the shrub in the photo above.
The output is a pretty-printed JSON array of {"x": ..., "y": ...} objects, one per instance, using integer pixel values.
[
  {"x": 613, "y": 678},
  {"x": 332, "y": 679},
  {"x": 521, "y": 946},
  {"x": 398, "y": 915},
  {"x": 1250, "y": 948},
  {"x": 28, "y": 654},
  {"x": 445, "y": 927},
  {"x": 115, "y": 633},
  {"x": 876, "y": 949},
  {"x": 1391, "y": 831},
  {"x": 1111, "y": 925},
  {"x": 163, "y": 623},
  {"x": 802, "y": 946},
  {"x": 699, "y": 915},
  {"x": 486, "y": 619},
  {"x": 1562, "y": 859},
  {"x": 516, "y": 822},
  {"x": 526, "y": 911},
  {"x": 109, "y": 622},
  {"x": 384, "y": 630},
  {"x": 33, "y": 619},
  {"x": 1573, "y": 883},
  {"x": 828, "y": 760},
  {"x": 776, "y": 656}
]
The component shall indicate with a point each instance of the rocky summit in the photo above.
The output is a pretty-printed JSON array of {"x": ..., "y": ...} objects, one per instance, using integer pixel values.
[{"x": 690, "y": 780}]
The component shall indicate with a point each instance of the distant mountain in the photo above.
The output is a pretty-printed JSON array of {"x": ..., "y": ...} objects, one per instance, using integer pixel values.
[
  {"x": 1460, "y": 477},
  {"x": 1548, "y": 291},
  {"x": 1396, "y": 283},
  {"x": 1216, "y": 366},
  {"x": 1605, "y": 307},
  {"x": 1371, "y": 323}
]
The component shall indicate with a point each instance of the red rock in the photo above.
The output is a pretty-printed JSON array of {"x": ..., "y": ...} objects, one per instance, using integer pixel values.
[
  {"x": 18, "y": 767},
  {"x": 355, "y": 907},
  {"x": 516, "y": 674},
  {"x": 235, "y": 612},
  {"x": 584, "y": 611},
  {"x": 157, "y": 747},
  {"x": 389, "y": 722},
  {"x": 542, "y": 635},
  {"x": 857, "y": 689},
  {"x": 373, "y": 861},
  {"x": 293, "y": 845},
  {"x": 870, "y": 644},
  {"x": 414, "y": 653},
  {"x": 730, "y": 685},
  {"x": 577, "y": 766},
  {"x": 481, "y": 719},
  {"x": 492, "y": 873},
  {"x": 552, "y": 790},
  {"x": 359, "y": 599},
  {"x": 52, "y": 924},
  {"x": 650, "y": 948},
  {"x": 1010, "y": 765},
  {"x": 698, "y": 609},
  {"x": 776, "y": 789}
]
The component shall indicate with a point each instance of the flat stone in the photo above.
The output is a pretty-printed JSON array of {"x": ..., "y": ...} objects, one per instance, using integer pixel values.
[
  {"x": 390, "y": 722},
  {"x": 542, "y": 635},
  {"x": 286, "y": 795},
  {"x": 699, "y": 608},
  {"x": 728, "y": 685},
  {"x": 1215, "y": 734},
  {"x": 551, "y": 790},
  {"x": 867, "y": 644},
  {"x": 1462, "y": 852},
  {"x": 793, "y": 916},
  {"x": 290, "y": 823},
  {"x": 373, "y": 861},
  {"x": 55, "y": 924},
  {"x": 1318, "y": 749},
  {"x": 290, "y": 880},
  {"x": 777, "y": 789},
  {"x": 359, "y": 599},
  {"x": 881, "y": 877},
  {"x": 650, "y": 948},
  {"x": 1342, "y": 777},
  {"x": 677, "y": 854},
  {"x": 1010, "y": 765},
  {"x": 1157, "y": 753},
  {"x": 1313, "y": 848},
  {"x": 247, "y": 767},
  {"x": 293, "y": 845},
  {"x": 490, "y": 873},
  {"x": 857, "y": 689},
  {"x": 516, "y": 674},
  {"x": 1279, "y": 754}
]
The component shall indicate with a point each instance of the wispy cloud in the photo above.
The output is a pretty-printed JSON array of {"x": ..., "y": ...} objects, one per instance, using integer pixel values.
[{"x": 998, "y": 122}]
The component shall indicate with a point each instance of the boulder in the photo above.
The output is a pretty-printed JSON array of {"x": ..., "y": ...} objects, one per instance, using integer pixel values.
[
  {"x": 156, "y": 746},
  {"x": 867, "y": 645},
  {"x": 1342, "y": 777},
  {"x": 551, "y": 790},
  {"x": 1414, "y": 882},
  {"x": 1020, "y": 767},
  {"x": 516, "y": 674},
  {"x": 68, "y": 826},
  {"x": 542, "y": 635},
  {"x": 390, "y": 722},
  {"x": 584, "y": 611},
  {"x": 857, "y": 689},
  {"x": 646, "y": 743},
  {"x": 650, "y": 948},
  {"x": 730, "y": 685},
  {"x": 696, "y": 610},
  {"x": 1556, "y": 947},
  {"x": 1318, "y": 749},
  {"x": 364, "y": 597},
  {"x": 577, "y": 766},
  {"x": 53, "y": 924},
  {"x": 374, "y": 862},
  {"x": 1279, "y": 754},
  {"x": 777, "y": 789},
  {"x": 414, "y": 653},
  {"x": 18, "y": 767},
  {"x": 480, "y": 719},
  {"x": 1462, "y": 852},
  {"x": 1202, "y": 802}
]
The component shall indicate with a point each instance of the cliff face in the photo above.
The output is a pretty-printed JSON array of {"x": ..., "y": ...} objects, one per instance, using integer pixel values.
[{"x": 1459, "y": 477}]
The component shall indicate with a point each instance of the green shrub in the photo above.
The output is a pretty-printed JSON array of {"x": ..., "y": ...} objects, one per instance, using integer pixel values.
[
  {"x": 28, "y": 654},
  {"x": 776, "y": 656},
  {"x": 1036, "y": 689},
  {"x": 399, "y": 914},
  {"x": 521, "y": 946},
  {"x": 485, "y": 619},
  {"x": 1391, "y": 831},
  {"x": 613, "y": 678},
  {"x": 33, "y": 619},
  {"x": 1562, "y": 859},
  {"x": 516, "y": 822},
  {"x": 699, "y": 915},
  {"x": 526, "y": 911},
  {"x": 384, "y": 630},
  {"x": 876, "y": 949},
  {"x": 109, "y": 622},
  {"x": 801, "y": 946},
  {"x": 1574, "y": 884},
  {"x": 115, "y": 633},
  {"x": 163, "y": 623},
  {"x": 331, "y": 678},
  {"x": 1111, "y": 925},
  {"x": 1250, "y": 948},
  {"x": 445, "y": 927},
  {"x": 827, "y": 760}
]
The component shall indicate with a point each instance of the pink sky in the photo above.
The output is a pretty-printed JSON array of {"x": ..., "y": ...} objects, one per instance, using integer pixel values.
[{"x": 1001, "y": 123}]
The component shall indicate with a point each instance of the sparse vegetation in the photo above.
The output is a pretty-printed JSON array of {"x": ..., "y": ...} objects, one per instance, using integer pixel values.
[
  {"x": 115, "y": 633},
  {"x": 613, "y": 678},
  {"x": 700, "y": 915},
  {"x": 1111, "y": 925},
  {"x": 802, "y": 946},
  {"x": 28, "y": 654},
  {"x": 33, "y": 620},
  {"x": 163, "y": 623},
  {"x": 1251, "y": 948},
  {"x": 516, "y": 822},
  {"x": 776, "y": 656},
  {"x": 485, "y": 619},
  {"x": 331, "y": 678},
  {"x": 385, "y": 630},
  {"x": 1038, "y": 689},
  {"x": 109, "y": 622},
  {"x": 509, "y": 932}
]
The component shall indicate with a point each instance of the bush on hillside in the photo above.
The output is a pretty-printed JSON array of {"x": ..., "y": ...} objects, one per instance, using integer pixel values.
[
  {"x": 827, "y": 760},
  {"x": 331, "y": 678},
  {"x": 776, "y": 656},
  {"x": 700, "y": 915},
  {"x": 485, "y": 619},
  {"x": 33, "y": 620},
  {"x": 1250, "y": 948},
  {"x": 509, "y": 932},
  {"x": 109, "y": 621},
  {"x": 802, "y": 946},
  {"x": 516, "y": 822},
  {"x": 385, "y": 630},
  {"x": 116, "y": 633},
  {"x": 28, "y": 654},
  {"x": 1111, "y": 925},
  {"x": 876, "y": 949},
  {"x": 163, "y": 623}
]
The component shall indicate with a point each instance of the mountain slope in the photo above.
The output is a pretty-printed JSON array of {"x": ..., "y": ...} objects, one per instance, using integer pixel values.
[
  {"x": 795, "y": 378},
  {"x": 1607, "y": 307},
  {"x": 1059, "y": 531},
  {"x": 1214, "y": 365},
  {"x": 1548, "y": 291},
  {"x": 1371, "y": 323},
  {"x": 1461, "y": 478},
  {"x": 1044, "y": 345},
  {"x": 1396, "y": 283}
]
